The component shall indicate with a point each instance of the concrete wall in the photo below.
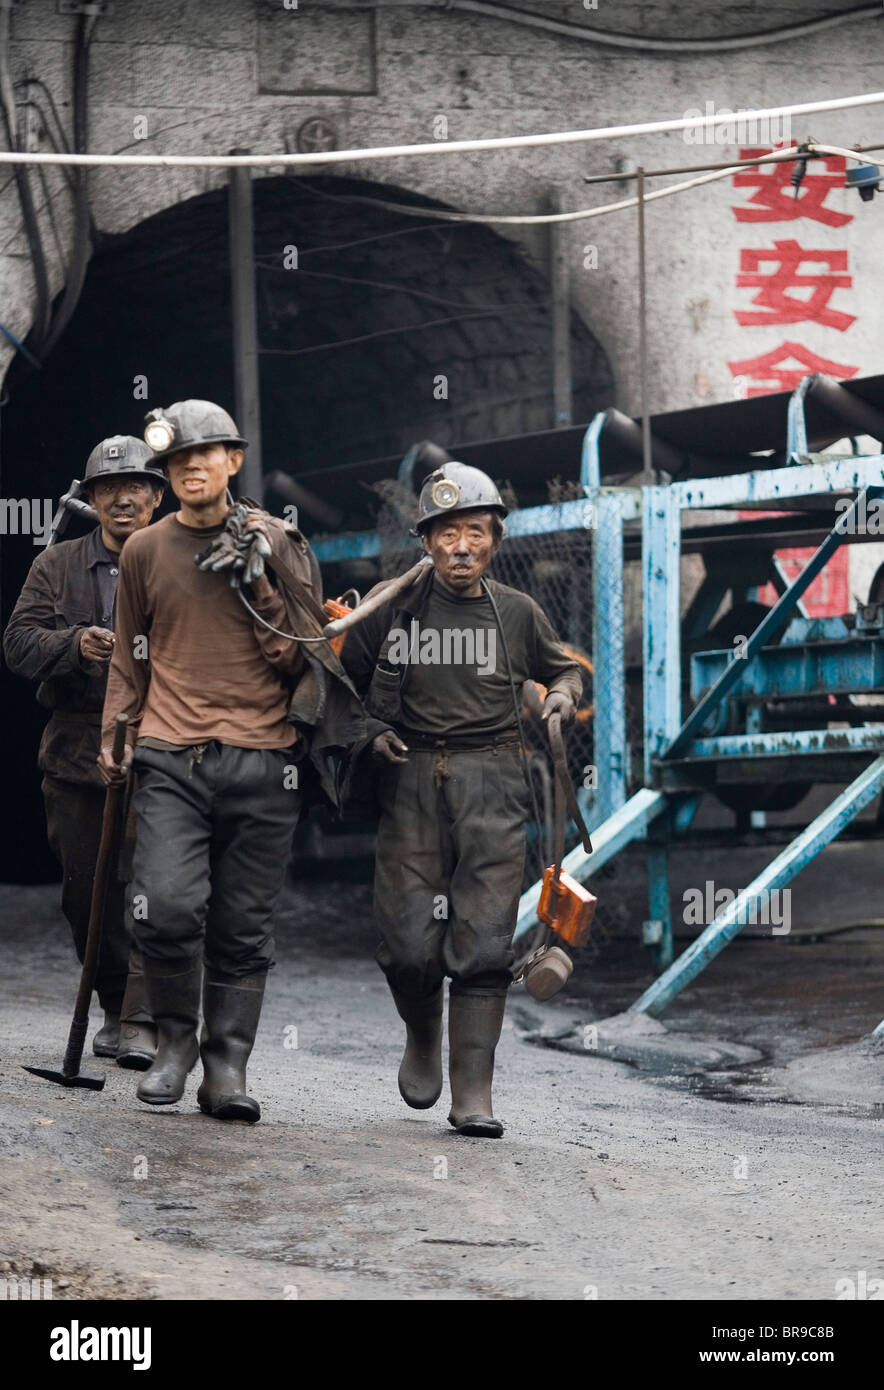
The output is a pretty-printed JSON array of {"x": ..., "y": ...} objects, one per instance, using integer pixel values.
[{"x": 208, "y": 77}]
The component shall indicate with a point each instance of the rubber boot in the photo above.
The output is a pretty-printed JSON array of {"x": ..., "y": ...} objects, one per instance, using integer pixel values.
[
  {"x": 475, "y": 1018},
  {"x": 420, "y": 1072},
  {"x": 231, "y": 1010},
  {"x": 174, "y": 997},
  {"x": 138, "y": 1033},
  {"x": 107, "y": 1039}
]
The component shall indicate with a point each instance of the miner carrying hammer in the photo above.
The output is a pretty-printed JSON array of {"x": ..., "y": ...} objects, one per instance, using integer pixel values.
[
  {"x": 443, "y": 665},
  {"x": 224, "y": 710},
  {"x": 61, "y": 634}
]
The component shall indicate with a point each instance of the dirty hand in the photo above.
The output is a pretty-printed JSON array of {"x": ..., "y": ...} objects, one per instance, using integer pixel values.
[
  {"x": 559, "y": 703},
  {"x": 388, "y": 747},
  {"x": 96, "y": 644},
  {"x": 115, "y": 774}
]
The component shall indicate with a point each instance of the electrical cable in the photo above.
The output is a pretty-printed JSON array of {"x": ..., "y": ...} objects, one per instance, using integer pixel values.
[
  {"x": 42, "y": 307},
  {"x": 635, "y": 43},
  {"x": 289, "y": 636},
  {"x": 265, "y": 264},
  {"x": 82, "y": 247}
]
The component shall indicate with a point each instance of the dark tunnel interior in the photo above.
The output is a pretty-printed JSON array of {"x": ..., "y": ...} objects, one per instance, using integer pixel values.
[{"x": 360, "y": 311}]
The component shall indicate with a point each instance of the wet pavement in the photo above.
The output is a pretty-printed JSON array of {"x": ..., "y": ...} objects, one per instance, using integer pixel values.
[{"x": 615, "y": 1179}]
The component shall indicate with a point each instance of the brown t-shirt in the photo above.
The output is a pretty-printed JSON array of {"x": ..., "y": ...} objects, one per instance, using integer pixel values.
[{"x": 190, "y": 664}]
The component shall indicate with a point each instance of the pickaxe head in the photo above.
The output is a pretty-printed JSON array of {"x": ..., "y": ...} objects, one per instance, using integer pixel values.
[{"x": 92, "y": 1080}]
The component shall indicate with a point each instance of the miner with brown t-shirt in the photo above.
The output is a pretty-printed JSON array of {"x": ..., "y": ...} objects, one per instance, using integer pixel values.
[{"x": 206, "y": 690}]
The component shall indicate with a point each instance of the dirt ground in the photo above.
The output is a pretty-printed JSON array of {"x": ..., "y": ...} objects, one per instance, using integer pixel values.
[{"x": 613, "y": 1180}]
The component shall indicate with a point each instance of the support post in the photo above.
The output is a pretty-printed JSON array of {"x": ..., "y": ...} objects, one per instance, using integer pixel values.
[
  {"x": 661, "y": 557},
  {"x": 609, "y": 680},
  {"x": 246, "y": 378},
  {"x": 561, "y": 316},
  {"x": 659, "y": 909}
]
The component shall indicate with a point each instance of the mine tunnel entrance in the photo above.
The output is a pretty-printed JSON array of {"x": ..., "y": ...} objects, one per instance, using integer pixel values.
[{"x": 362, "y": 311}]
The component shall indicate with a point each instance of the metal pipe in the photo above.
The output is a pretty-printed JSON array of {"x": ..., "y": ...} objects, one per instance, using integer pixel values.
[
  {"x": 303, "y": 498},
  {"x": 246, "y": 382}
]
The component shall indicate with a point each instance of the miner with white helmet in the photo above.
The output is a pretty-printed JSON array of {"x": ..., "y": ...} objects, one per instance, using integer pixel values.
[
  {"x": 443, "y": 665},
  {"x": 61, "y": 635}
]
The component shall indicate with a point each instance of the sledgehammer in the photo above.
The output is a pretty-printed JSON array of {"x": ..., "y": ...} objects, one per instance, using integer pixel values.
[{"x": 70, "y": 1074}]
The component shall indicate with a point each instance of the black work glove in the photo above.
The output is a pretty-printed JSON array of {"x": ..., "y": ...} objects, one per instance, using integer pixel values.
[{"x": 559, "y": 703}]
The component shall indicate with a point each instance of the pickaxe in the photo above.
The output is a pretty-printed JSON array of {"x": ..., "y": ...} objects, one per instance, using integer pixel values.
[{"x": 70, "y": 1074}]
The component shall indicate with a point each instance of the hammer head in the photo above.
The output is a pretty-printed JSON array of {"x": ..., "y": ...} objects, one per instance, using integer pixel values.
[{"x": 92, "y": 1080}]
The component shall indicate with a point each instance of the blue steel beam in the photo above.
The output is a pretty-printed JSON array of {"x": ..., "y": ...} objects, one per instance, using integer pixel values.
[
  {"x": 610, "y": 747},
  {"x": 865, "y": 738},
  {"x": 770, "y": 625},
  {"x": 848, "y": 666},
  {"x": 780, "y": 484},
  {"x": 661, "y": 636},
  {"x": 730, "y": 922},
  {"x": 629, "y": 823}
]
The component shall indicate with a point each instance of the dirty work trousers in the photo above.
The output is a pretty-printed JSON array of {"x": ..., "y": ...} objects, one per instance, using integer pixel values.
[
  {"x": 448, "y": 873},
  {"x": 73, "y": 823},
  {"x": 213, "y": 842}
]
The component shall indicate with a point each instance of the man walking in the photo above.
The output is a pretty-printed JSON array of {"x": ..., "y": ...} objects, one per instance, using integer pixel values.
[
  {"x": 209, "y": 691},
  {"x": 443, "y": 665},
  {"x": 61, "y": 634}
]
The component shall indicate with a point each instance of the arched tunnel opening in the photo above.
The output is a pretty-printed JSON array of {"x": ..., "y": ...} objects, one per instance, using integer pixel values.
[{"x": 376, "y": 329}]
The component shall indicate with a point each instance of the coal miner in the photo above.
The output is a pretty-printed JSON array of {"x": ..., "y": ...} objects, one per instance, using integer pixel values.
[
  {"x": 61, "y": 634},
  {"x": 443, "y": 665},
  {"x": 224, "y": 713}
]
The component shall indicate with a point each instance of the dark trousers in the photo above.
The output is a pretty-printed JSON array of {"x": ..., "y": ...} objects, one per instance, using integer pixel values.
[
  {"x": 448, "y": 874},
  {"x": 213, "y": 842},
  {"x": 73, "y": 822}
]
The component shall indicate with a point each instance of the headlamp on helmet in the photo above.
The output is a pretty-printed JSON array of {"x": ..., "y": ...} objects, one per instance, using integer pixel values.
[
  {"x": 159, "y": 432},
  {"x": 445, "y": 493}
]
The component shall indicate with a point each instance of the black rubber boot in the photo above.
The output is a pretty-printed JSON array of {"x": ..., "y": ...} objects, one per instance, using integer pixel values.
[
  {"x": 175, "y": 1004},
  {"x": 231, "y": 1010},
  {"x": 475, "y": 1018},
  {"x": 138, "y": 1033},
  {"x": 107, "y": 1039},
  {"x": 420, "y": 1072}
]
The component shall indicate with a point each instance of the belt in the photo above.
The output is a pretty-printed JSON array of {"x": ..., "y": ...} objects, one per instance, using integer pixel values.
[{"x": 459, "y": 743}]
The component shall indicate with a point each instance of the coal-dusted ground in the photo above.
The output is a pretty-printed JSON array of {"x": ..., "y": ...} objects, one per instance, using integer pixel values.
[{"x": 612, "y": 1181}]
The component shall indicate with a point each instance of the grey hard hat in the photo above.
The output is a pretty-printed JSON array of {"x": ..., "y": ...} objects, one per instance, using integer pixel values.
[
  {"x": 456, "y": 487},
  {"x": 121, "y": 455},
  {"x": 189, "y": 423}
]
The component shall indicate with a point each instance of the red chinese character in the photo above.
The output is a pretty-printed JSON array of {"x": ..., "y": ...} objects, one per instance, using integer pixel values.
[
  {"x": 768, "y": 369},
  {"x": 779, "y": 307},
  {"x": 775, "y": 199}
]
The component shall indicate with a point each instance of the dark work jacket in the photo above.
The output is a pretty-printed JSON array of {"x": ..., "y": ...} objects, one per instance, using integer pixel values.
[
  {"x": 324, "y": 705},
  {"x": 381, "y": 690},
  {"x": 41, "y": 643}
]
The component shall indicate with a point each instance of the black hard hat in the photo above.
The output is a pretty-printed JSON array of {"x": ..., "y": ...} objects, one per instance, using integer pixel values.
[
  {"x": 456, "y": 487},
  {"x": 120, "y": 456},
  {"x": 187, "y": 423}
]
